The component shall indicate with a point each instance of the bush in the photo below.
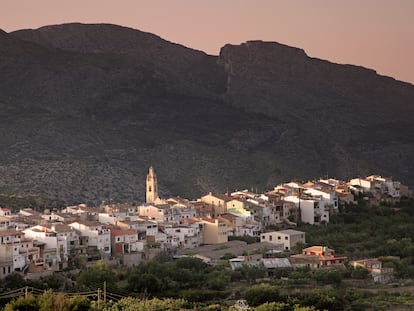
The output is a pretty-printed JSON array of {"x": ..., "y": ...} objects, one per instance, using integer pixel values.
[
  {"x": 328, "y": 276},
  {"x": 262, "y": 293}
]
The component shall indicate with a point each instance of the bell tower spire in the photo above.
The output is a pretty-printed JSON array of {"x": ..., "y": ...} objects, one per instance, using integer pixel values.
[{"x": 152, "y": 186}]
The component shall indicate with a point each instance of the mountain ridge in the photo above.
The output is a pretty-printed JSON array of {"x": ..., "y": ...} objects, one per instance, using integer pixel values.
[{"x": 100, "y": 111}]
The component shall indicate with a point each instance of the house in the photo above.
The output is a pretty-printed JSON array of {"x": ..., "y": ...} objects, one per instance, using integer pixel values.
[
  {"x": 203, "y": 209},
  {"x": 379, "y": 274},
  {"x": 125, "y": 241},
  {"x": 59, "y": 240},
  {"x": 18, "y": 251},
  {"x": 34, "y": 216},
  {"x": 83, "y": 211},
  {"x": 4, "y": 223},
  {"x": 217, "y": 201},
  {"x": 5, "y": 212},
  {"x": 215, "y": 231},
  {"x": 96, "y": 236},
  {"x": 6, "y": 260},
  {"x": 250, "y": 260},
  {"x": 145, "y": 228},
  {"x": 182, "y": 211},
  {"x": 405, "y": 191},
  {"x": 240, "y": 225},
  {"x": 377, "y": 189},
  {"x": 325, "y": 191},
  {"x": 183, "y": 236},
  {"x": 55, "y": 217},
  {"x": 316, "y": 257},
  {"x": 158, "y": 212},
  {"x": 21, "y": 251},
  {"x": 237, "y": 206},
  {"x": 289, "y": 238},
  {"x": 364, "y": 183},
  {"x": 312, "y": 209},
  {"x": 274, "y": 264},
  {"x": 126, "y": 246}
]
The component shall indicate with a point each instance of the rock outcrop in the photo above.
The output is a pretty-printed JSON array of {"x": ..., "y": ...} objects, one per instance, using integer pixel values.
[{"x": 85, "y": 109}]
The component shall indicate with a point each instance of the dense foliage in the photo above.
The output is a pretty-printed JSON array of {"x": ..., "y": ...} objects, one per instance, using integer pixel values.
[
  {"x": 35, "y": 202},
  {"x": 363, "y": 231}
]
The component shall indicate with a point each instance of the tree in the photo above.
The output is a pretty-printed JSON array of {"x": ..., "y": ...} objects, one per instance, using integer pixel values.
[
  {"x": 359, "y": 273},
  {"x": 145, "y": 283},
  {"x": 252, "y": 272},
  {"x": 273, "y": 306},
  {"x": 95, "y": 277},
  {"x": 46, "y": 301},
  {"x": 261, "y": 293},
  {"x": 218, "y": 279},
  {"x": 329, "y": 276},
  {"x": 13, "y": 281},
  {"x": 78, "y": 303},
  {"x": 22, "y": 303}
]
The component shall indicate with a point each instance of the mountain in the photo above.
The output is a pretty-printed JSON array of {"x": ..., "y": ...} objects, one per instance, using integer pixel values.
[{"x": 86, "y": 109}]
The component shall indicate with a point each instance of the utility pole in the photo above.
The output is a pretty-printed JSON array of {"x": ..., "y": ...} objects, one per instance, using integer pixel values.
[
  {"x": 104, "y": 293},
  {"x": 99, "y": 299}
]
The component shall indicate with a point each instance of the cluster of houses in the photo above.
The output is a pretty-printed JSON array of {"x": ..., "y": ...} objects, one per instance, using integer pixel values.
[{"x": 35, "y": 243}]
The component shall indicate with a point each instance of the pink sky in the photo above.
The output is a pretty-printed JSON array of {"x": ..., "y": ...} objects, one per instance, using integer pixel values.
[{"x": 377, "y": 34}]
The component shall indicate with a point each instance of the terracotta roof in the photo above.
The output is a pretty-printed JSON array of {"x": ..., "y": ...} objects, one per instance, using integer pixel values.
[
  {"x": 190, "y": 220},
  {"x": 220, "y": 196},
  {"x": 207, "y": 219},
  {"x": 123, "y": 232}
]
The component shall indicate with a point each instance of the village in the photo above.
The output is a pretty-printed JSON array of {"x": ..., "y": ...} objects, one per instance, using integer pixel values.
[{"x": 36, "y": 244}]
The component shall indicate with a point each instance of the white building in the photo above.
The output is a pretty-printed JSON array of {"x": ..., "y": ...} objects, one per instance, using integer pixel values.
[
  {"x": 288, "y": 238},
  {"x": 59, "y": 239},
  {"x": 312, "y": 209},
  {"x": 97, "y": 235},
  {"x": 183, "y": 236}
]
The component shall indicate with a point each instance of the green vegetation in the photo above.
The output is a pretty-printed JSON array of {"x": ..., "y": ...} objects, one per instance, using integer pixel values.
[
  {"x": 362, "y": 231},
  {"x": 35, "y": 202}
]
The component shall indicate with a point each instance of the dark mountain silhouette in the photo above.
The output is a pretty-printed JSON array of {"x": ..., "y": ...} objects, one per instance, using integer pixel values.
[{"x": 85, "y": 109}]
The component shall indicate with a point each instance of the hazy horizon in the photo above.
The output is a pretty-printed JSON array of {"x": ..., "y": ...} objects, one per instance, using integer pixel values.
[{"x": 376, "y": 34}]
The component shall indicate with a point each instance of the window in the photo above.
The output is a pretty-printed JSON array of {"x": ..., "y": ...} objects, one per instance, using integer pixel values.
[
  {"x": 270, "y": 238},
  {"x": 286, "y": 238}
]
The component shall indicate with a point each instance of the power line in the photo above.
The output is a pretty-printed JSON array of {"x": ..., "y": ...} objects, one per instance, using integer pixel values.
[{"x": 95, "y": 294}]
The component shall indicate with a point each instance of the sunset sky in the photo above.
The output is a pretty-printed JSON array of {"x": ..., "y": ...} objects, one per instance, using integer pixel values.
[{"x": 377, "y": 34}]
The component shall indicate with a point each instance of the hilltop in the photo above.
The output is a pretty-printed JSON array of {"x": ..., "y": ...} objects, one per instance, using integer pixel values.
[{"x": 85, "y": 109}]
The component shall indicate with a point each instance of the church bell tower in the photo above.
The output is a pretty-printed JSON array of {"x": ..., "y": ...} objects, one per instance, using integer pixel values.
[{"x": 152, "y": 186}]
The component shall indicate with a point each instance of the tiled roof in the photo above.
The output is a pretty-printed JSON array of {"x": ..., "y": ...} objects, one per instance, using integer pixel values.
[{"x": 123, "y": 232}]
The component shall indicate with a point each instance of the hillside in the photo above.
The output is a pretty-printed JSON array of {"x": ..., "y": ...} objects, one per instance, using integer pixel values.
[{"x": 86, "y": 109}]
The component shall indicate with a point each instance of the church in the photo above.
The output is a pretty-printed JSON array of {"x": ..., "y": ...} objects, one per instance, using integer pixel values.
[{"x": 152, "y": 187}]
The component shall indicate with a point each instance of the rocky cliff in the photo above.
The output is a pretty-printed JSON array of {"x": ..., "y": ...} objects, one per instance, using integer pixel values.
[{"x": 85, "y": 109}]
